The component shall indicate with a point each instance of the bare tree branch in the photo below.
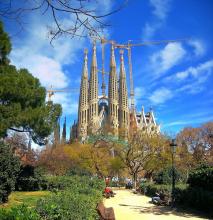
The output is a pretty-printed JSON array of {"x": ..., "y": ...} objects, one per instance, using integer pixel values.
[{"x": 86, "y": 19}]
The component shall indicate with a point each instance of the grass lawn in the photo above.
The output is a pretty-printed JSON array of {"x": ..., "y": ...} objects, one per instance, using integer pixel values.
[{"x": 29, "y": 198}]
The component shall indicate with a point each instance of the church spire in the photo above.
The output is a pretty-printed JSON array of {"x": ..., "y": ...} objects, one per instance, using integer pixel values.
[
  {"x": 113, "y": 95},
  {"x": 123, "y": 99},
  {"x": 83, "y": 100},
  {"x": 93, "y": 92},
  {"x": 85, "y": 69}
]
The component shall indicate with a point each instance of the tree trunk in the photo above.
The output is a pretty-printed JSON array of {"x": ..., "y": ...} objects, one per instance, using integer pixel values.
[{"x": 134, "y": 180}]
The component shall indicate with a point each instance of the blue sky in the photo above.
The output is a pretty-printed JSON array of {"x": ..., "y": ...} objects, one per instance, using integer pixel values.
[{"x": 174, "y": 79}]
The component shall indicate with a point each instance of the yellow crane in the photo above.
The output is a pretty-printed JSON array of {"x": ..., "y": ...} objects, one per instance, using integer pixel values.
[
  {"x": 128, "y": 46},
  {"x": 52, "y": 91}
]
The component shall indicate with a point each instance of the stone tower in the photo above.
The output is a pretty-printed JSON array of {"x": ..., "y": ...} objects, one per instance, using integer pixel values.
[
  {"x": 93, "y": 94},
  {"x": 113, "y": 95},
  {"x": 123, "y": 115},
  {"x": 83, "y": 101},
  {"x": 109, "y": 114}
]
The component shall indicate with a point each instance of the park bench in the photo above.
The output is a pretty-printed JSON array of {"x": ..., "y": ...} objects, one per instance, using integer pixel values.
[
  {"x": 165, "y": 202},
  {"x": 105, "y": 213}
]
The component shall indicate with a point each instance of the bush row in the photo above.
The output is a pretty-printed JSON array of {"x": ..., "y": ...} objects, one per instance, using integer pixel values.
[
  {"x": 21, "y": 212},
  {"x": 73, "y": 197},
  {"x": 185, "y": 195},
  {"x": 202, "y": 177}
]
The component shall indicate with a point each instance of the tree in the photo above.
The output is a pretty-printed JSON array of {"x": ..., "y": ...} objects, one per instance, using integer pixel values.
[
  {"x": 22, "y": 100},
  {"x": 84, "y": 17},
  {"x": 19, "y": 142},
  {"x": 97, "y": 156},
  {"x": 9, "y": 169},
  {"x": 5, "y": 46},
  {"x": 197, "y": 143},
  {"x": 54, "y": 160},
  {"x": 207, "y": 133},
  {"x": 141, "y": 153}
]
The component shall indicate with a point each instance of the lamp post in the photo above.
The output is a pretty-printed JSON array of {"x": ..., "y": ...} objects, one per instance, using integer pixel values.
[{"x": 173, "y": 146}]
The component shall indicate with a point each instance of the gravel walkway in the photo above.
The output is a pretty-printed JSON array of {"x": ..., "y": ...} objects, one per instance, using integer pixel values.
[{"x": 130, "y": 206}]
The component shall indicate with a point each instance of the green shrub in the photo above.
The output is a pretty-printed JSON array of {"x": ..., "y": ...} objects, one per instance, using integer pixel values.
[
  {"x": 150, "y": 189},
  {"x": 165, "y": 176},
  {"x": 195, "y": 197},
  {"x": 74, "y": 198},
  {"x": 55, "y": 183},
  {"x": 19, "y": 213},
  {"x": 9, "y": 168},
  {"x": 30, "y": 178},
  {"x": 69, "y": 205},
  {"x": 78, "y": 171},
  {"x": 202, "y": 177}
]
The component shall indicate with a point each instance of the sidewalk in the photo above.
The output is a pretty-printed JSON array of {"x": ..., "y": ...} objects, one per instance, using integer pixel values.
[{"x": 130, "y": 206}]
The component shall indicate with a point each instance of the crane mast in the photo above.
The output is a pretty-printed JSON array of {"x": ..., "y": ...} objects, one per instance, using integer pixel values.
[
  {"x": 128, "y": 46},
  {"x": 103, "y": 86},
  {"x": 131, "y": 80}
]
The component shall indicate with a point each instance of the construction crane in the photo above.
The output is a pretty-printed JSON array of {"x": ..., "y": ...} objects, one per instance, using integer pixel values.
[
  {"x": 51, "y": 91},
  {"x": 128, "y": 46}
]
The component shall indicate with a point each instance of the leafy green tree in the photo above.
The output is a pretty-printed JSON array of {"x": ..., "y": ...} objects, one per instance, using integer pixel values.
[
  {"x": 22, "y": 100},
  {"x": 9, "y": 169},
  {"x": 5, "y": 45},
  {"x": 202, "y": 176}
]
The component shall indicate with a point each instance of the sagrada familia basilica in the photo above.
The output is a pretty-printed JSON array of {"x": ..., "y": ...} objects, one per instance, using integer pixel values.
[{"x": 111, "y": 112}]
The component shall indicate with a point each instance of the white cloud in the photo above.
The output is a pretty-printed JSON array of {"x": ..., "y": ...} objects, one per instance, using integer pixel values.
[
  {"x": 68, "y": 101},
  {"x": 193, "y": 78},
  {"x": 196, "y": 72},
  {"x": 161, "y": 8},
  {"x": 46, "y": 69},
  {"x": 139, "y": 94},
  {"x": 197, "y": 120},
  {"x": 160, "y": 11},
  {"x": 47, "y": 62},
  {"x": 198, "y": 47},
  {"x": 149, "y": 30},
  {"x": 161, "y": 95},
  {"x": 168, "y": 57}
]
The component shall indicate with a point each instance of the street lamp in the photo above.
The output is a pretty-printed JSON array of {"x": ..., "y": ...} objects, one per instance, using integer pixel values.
[{"x": 173, "y": 146}]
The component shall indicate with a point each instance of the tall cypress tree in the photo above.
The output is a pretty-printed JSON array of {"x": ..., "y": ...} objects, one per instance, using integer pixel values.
[
  {"x": 64, "y": 132},
  {"x": 57, "y": 133}
]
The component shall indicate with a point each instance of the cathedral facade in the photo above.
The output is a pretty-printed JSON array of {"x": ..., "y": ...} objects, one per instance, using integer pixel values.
[{"x": 112, "y": 112}]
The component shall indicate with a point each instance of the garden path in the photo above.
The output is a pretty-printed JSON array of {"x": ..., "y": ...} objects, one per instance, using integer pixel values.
[{"x": 130, "y": 206}]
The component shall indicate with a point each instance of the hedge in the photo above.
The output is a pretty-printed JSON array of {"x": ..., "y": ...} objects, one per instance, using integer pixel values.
[
  {"x": 185, "y": 195},
  {"x": 73, "y": 197},
  {"x": 202, "y": 177},
  {"x": 80, "y": 196},
  {"x": 21, "y": 212}
]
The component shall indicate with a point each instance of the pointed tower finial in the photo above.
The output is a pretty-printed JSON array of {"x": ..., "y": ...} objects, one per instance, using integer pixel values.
[
  {"x": 85, "y": 53},
  {"x": 112, "y": 61},
  {"x": 122, "y": 68},
  {"x": 142, "y": 108},
  {"x": 94, "y": 59},
  {"x": 85, "y": 69}
]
